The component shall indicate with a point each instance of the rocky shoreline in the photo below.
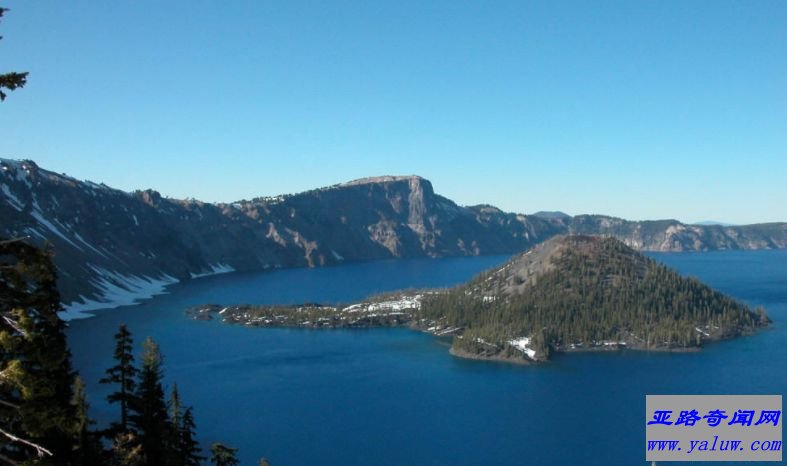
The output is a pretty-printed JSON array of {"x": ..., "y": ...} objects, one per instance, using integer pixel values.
[
  {"x": 246, "y": 315},
  {"x": 460, "y": 353},
  {"x": 397, "y": 310}
]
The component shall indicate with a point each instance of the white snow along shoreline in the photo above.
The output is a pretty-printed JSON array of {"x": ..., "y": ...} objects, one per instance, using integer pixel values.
[
  {"x": 117, "y": 290},
  {"x": 215, "y": 269}
]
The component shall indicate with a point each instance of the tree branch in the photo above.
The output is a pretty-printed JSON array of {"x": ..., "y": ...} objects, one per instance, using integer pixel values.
[
  {"x": 14, "y": 325},
  {"x": 40, "y": 451},
  {"x": 10, "y": 405}
]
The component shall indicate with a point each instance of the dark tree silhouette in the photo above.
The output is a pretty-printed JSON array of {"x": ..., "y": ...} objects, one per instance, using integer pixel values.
[
  {"x": 11, "y": 80},
  {"x": 123, "y": 374},
  {"x": 149, "y": 415},
  {"x": 222, "y": 455},
  {"x": 37, "y": 416}
]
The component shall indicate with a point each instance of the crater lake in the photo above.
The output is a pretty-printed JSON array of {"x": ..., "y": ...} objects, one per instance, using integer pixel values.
[{"x": 393, "y": 396}]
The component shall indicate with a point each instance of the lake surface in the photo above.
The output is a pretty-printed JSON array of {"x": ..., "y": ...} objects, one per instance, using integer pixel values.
[{"x": 395, "y": 396}]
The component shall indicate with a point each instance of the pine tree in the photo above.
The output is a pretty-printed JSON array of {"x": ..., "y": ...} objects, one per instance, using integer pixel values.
[
  {"x": 12, "y": 80},
  {"x": 175, "y": 420},
  {"x": 123, "y": 374},
  {"x": 88, "y": 449},
  {"x": 148, "y": 410},
  {"x": 184, "y": 450},
  {"x": 175, "y": 408},
  {"x": 37, "y": 417},
  {"x": 188, "y": 444},
  {"x": 222, "y": 455}
]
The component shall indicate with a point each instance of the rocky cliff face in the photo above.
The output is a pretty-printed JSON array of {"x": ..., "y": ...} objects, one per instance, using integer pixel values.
[{"x": 113, "y": 247}]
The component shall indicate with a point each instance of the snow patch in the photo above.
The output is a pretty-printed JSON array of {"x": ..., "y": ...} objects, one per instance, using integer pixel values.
[
  {"x": 82, "y": 240},
  {"x": 12, "y": 199},
  {"x": 36, "y": 214},
  {"x": 521, "y": 344},
  {"x": 214, "y": 269},
  {"x": 36, "y": 233},
  {"x": 613, "y": 343},
  {"x": 117, "y": 290},
  {"x": 702, "y": 331},
  {"x": 406, "y": 302}
]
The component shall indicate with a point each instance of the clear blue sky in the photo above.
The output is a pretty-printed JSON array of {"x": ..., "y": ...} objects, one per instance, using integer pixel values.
[{"x": 639, "y": 109}]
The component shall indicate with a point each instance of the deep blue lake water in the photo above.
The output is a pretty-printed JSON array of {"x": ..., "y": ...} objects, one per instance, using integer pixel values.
[{"x": 395, "y": 396}]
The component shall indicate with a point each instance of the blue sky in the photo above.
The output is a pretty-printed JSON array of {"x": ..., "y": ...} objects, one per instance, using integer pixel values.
[{"x": 639, "y": 109}]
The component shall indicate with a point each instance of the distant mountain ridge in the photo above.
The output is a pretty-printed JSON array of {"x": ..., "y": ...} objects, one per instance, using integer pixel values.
[
  {"x": 114, "y": 247},
  {"x": 714, "y": 222},
  {"x": 551, "y": 215}
]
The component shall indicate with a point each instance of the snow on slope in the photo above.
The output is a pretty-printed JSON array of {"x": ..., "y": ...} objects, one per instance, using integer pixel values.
[
  {"x": 521, "y": 344},
  {"x": 214, "y": 269},
  {"x": 117, "y": 290}
]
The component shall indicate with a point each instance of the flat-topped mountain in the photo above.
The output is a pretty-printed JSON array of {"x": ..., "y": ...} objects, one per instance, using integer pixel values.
[
  {"x": 584, "y": 292},
  {"x": 383, "y": 179},
  {"x": 113, "y": 247}
]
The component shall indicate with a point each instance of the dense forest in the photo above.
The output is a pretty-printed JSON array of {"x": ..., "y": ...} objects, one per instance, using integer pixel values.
[{"x": 587, "y": 292}]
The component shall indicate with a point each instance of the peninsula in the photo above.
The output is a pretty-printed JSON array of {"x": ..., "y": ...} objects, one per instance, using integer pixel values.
[{"x": 569, "y": 293}]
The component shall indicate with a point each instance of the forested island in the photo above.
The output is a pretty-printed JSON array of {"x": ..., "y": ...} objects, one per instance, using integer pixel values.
[{"x": 570, "y": 293}]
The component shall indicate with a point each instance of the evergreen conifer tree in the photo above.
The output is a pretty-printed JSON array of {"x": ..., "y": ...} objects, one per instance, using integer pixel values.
[
  {"x": 123, "y": 374},
  {"x": 175, "y": 420},
  {"x": 189, "y": 446},
  {"x": 38, "y": 421},
  {"x": 11, "y": 80},
  {"x": 184, "y": 449},
  {"x": 148, "y": 414},
  {"x": 88, "y": 449},
  {"x": 222, "y": 455}
]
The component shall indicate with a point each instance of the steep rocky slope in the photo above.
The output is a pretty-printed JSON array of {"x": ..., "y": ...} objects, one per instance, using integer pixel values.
[{"x": 113, "y": 247}]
